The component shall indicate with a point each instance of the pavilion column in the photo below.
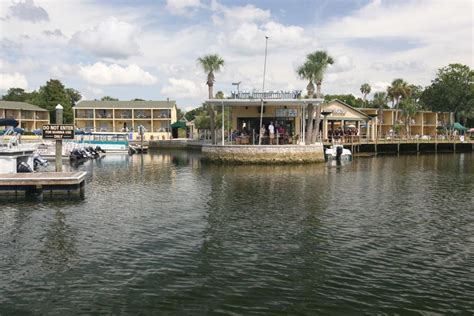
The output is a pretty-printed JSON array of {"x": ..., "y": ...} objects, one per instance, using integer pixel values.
[
  {"x": 368, "y": 134},
  {"x": 325, "y": 128},
  {"x": 374, "y": 128}
]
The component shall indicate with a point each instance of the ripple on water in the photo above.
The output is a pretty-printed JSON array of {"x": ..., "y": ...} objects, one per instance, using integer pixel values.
[{"x": 385, "y": 235}]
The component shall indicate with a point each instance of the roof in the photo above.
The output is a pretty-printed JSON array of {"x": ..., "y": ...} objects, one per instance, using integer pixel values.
[
  {"x": 126, "y": 104},
  {"x": 266, "y": 102},
  {"x": 14, "y": 105},
  {"x": 345, "y": 104}
]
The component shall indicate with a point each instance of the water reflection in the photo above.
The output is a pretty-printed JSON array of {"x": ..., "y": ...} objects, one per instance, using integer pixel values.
[
  {"x": 59, "y": 249},
  {"x": 163, "y": 233}
]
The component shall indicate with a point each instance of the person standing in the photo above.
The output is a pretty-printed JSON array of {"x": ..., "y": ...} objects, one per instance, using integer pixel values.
[
  {"x": 262, "y": 134},
  {"x": 271, "y": 131}
]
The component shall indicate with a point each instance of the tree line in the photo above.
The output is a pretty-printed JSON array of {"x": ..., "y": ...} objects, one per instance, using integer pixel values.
[
  {"x": 48, "y": 96},
  {"x": 452, "y": 90}
]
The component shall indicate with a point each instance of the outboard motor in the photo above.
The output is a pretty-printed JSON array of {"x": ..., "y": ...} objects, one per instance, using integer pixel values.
[
  {"x": 39, "y": 161},
  {"x": 99, "y": 149},
  {"x": 23, "y": 167},
  {"x": 339, "y": 150}
]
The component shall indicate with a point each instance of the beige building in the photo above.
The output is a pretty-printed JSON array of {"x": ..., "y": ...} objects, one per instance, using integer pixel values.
[
  {"x": 336, "y": 116},
  {"x": 122, "y": 116},
  {"x": 30, "y": 117},
  {"x": 422, "y": 123}
]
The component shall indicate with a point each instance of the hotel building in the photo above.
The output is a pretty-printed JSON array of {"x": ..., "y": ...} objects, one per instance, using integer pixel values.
[
  {"x": 122, "y": 116},
  {"x": 30, "y": 117}
]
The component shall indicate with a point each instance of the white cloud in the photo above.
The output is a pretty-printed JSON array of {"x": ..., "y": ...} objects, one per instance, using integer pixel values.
[
  {"x": 110, "y": 38},
  {"x": 54, "y": 33},
  {"x": 380, "y": 86},
  {"x": 28, "y": 11},
  {"x": 63, "y": 70},
  {"x": 237, "y": 15},
  {"x": 15, "y": 80},
  {"x": 184, "y": 88},
  {"x": 114, "y": 74},
  {"x": 183, "y": 7},
  {"x": 341, "y": 64},
  {"x": 24, "y": 65},
  {"x": 94, "y": 90}
]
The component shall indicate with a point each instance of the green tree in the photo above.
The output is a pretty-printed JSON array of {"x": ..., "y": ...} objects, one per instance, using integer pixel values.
[
  {"x": 380, "y": 102},
  {"x": 365, "y": 89},
  {"x": 313, "y": 70},
  {"x": 136, "y": 99},
  {"x": 397, "y": 91},
  {"x": 16, "y": 94},
  {"x": 219, "y": 95},
  {"x": 452, "y": 91},
  {"x": 190, "y": 115},
  {"x": 349, "y": 99},
  {"x": 179, "y": 114},
  {"x": 409, "y": 108},
  {"x": 54, "y": 93},
  {"x": 202, "y": 122},
  {"x": 210, "y": 64},
  {"x": 109, "y": 98}
]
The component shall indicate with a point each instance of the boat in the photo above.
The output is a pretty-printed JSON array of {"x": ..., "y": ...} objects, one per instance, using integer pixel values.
[
  {"x": 337, "y": 152},
  {"x": 14, "y": 156},
  {"x": 109, "y": 141},
  {"x": 137, "y": 149}
]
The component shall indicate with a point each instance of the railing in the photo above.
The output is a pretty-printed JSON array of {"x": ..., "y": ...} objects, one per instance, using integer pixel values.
[
  {"x": 397, "y": 139},
  {"x": 295, "y": 94}
]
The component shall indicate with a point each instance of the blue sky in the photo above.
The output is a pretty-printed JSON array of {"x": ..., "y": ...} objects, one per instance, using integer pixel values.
[{"x": 148, "y": 49}]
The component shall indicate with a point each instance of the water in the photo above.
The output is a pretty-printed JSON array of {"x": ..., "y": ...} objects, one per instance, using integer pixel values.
[{"x": 165, "y": 234}]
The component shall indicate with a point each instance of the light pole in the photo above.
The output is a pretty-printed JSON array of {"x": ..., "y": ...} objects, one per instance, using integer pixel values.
[{"x": 263, "y": 90}]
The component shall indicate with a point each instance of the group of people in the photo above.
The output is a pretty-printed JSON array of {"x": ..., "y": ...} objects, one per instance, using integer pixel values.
[
  {"x": 268, "y": 134},
  {"x": 273, "y": 132},
  {"x": 339, "y": 133}
]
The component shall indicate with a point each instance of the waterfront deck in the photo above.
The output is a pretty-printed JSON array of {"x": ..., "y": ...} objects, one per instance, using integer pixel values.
[{"x": 52, "y": 183}]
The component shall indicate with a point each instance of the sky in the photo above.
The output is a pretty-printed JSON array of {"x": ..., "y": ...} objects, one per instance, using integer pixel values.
[{"x": 148, "y": 49}]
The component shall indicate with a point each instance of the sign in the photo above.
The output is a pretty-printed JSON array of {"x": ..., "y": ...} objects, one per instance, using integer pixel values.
[
  {"x": 58, "y": 131},
  {"x": 336, "y": 111},
  {"x": 286, "y": 112}
]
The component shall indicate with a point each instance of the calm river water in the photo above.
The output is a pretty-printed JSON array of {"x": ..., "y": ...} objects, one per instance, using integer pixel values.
[{"x": 164, "y": 233}]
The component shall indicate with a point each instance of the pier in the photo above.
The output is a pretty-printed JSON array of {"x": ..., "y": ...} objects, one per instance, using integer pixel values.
[{"x": 46, "y": 183}]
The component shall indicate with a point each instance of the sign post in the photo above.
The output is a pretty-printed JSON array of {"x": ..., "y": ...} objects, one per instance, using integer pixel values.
[
  {"x": 58, "y": 132},
  {"x": 59, "y": 142}
]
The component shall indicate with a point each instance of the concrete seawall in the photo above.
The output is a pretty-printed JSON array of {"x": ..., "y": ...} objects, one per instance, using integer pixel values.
[{"x": 282, "y": 154}]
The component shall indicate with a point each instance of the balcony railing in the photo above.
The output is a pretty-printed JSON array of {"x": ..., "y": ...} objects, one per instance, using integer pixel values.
[{"x": 294, "y": 94}]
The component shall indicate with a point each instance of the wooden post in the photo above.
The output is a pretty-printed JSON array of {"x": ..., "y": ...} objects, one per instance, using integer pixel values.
[{"x": 59, "y": 142}]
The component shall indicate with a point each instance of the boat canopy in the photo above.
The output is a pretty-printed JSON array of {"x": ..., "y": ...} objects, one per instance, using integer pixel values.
[
  {"x": 8, "y": 122},
  {"x": 459, "y": 127}
]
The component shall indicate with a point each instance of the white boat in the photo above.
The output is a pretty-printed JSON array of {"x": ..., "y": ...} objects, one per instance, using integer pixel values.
[
  {"x": 338, "y": 152},
  {"x": 14, "y": 156},
  {"x": 110, "y": 142}
]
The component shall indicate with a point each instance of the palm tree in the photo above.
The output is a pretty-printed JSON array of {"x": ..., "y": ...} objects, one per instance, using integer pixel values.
[
  {"x": 210, "y": 64},
  {"x": 365, "y": 89},
  {"x": 409, "y": 108},
  {"x": 398, "y": 90},
  {"x": 380, "y": 101},
  {"x": 313, "y": 70}
]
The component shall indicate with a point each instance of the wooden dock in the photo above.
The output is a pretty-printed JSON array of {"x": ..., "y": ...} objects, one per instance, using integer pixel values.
[{"x": 46, "y": 183}]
